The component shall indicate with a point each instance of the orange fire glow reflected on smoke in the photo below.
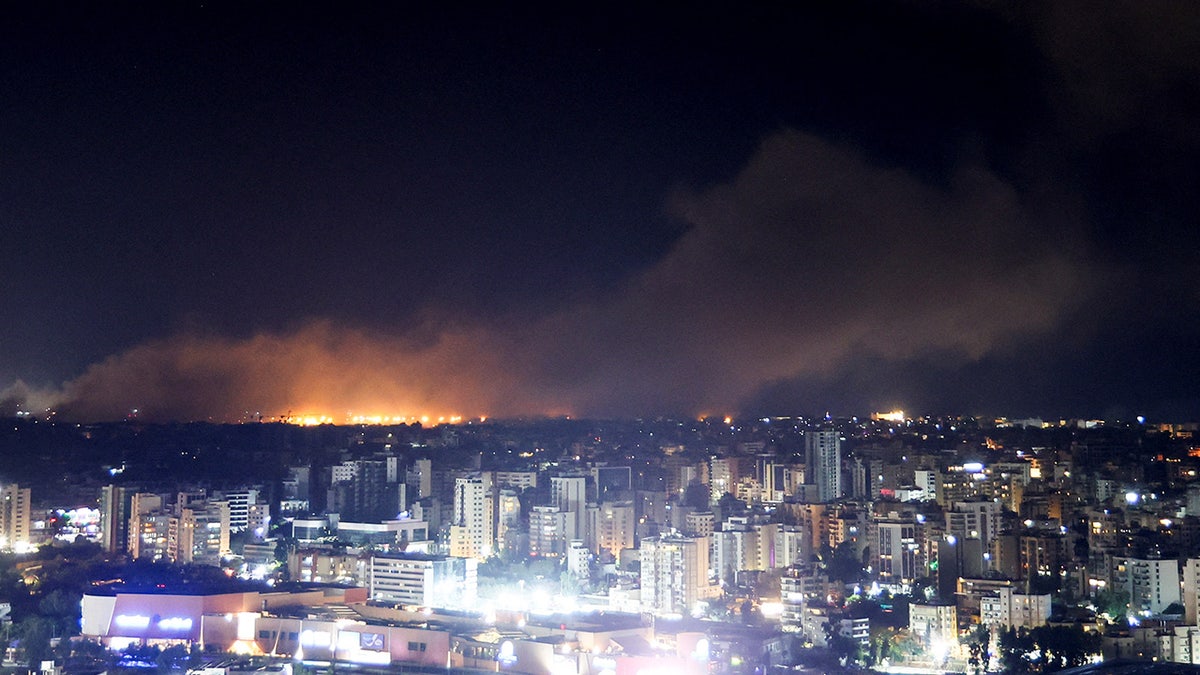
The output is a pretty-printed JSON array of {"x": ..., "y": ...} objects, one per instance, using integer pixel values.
[{"x": 313, "y": 420}]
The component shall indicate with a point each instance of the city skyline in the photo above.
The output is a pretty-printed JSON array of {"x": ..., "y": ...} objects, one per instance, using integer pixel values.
[{"x": 217, "y": 211}]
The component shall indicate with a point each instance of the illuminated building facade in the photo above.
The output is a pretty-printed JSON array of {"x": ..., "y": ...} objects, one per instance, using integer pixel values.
[
  {"x": 547, "y": 532},
  {"x": 936, "y": 625},
  {"x": 722, "y": 477},
  {"x": 899, "y": 555},
  {"x": 427, "y": 581},
  {"x": 1017, "y": 610},
  {"x": 150, "y": 536},
  {"x": 612, "y": 527},
  {"x": 200, "y": 533},
  {"x": 16, "y": 517},
  {"x": 328, "y": 566},
  {"x": 674, "y": 574},
  {"x": 240, "y": 504},
  {"x": 473, "y": 532}
]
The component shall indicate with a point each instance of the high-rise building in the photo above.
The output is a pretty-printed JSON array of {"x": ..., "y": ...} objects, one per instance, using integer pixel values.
[
  {"x": 1153, "y": 585},
  {"x": 569, "y": 494},
  {"x": 793, "y": 546},
  {"x": 722, "y": 477},
  {"x": 239, "y": 507},
  {"x": 674, "y": 574},
  {"x": 823, "y": 457},
  {"x": 1191, "y": 591},
  {"x": 508, "y": 520},
  {"x": 547, "y": 532},
  {"x": 898, "y": 551},
  {"x": 472, "y": 530},
  {"x": 741, "y": 544},
  {"x": 114, "y": 518},
  {"x": 200, "y": 533},
  {"x": 150, "y": 535},
  {"x": 612, "y": 527},
  {"x": 16, "y": 517},
  {"x": 144, "y": 540},
  {"x": 359, "y": 490},
  {"x": 420, "y": 478}
]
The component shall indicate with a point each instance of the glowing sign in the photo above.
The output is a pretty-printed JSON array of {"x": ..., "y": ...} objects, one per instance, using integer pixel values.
[
  {"x": 132, "y": 621},
  {"x": 314, "y": 638},
  {"x": 972, "y": 467},
  {"x": 175, "y": 623},
  {"x": 507, "y": 654}
]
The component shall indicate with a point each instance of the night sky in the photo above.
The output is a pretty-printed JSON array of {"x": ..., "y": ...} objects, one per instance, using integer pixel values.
[{"x": 209, "y": 210}]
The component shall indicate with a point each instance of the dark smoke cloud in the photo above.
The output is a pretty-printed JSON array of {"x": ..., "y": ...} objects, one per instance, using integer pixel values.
[{"x": 813, "y": 253}]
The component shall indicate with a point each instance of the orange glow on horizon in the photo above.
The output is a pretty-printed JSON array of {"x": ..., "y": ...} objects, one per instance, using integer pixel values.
[{"x": 352, "y": 418}]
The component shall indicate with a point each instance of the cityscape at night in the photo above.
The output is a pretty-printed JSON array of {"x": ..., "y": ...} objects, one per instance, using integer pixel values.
[{"x": 600, "y": 340}]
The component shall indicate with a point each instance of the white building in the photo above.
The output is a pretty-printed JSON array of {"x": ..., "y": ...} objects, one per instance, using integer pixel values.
[
  {"x": 403, "y": 534},
  {"x": 518, "y": 480},
  {"x": 674, "y": 574},
  {"x": 936, "y": 625},
  {"x": 472, "y": 532},
  {"x": 1191, "y": 591},
  {"x": 722, "y": 477},
  {"x": 1152, "y": 585},
  {"x": 547, "y": 532},
  {"x": 578, "y": 559},
  {"x": 742, "y": 545},
  {"x": 793, "y": 545},
  {"x": 1182, "y": 645},
  {"x": 329, "y": 566},
  {"x": 928, "y": 481},
  {"x": 898, "y": 551},
  {"x": 823, "y": 458},
  {"x": 423, "y": 580},
  {"x": 149, "y": 536},
  {"x": 974, "y": 523},
  {"x": 974, "y": 520},
  {"x": 569, "y": 494},
  {"x": 699, "y": 523},
  {"x": 1017, "y": 610}
]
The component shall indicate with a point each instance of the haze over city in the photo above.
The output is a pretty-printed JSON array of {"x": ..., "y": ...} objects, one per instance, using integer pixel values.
[{"x": 216, "y": 211}]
